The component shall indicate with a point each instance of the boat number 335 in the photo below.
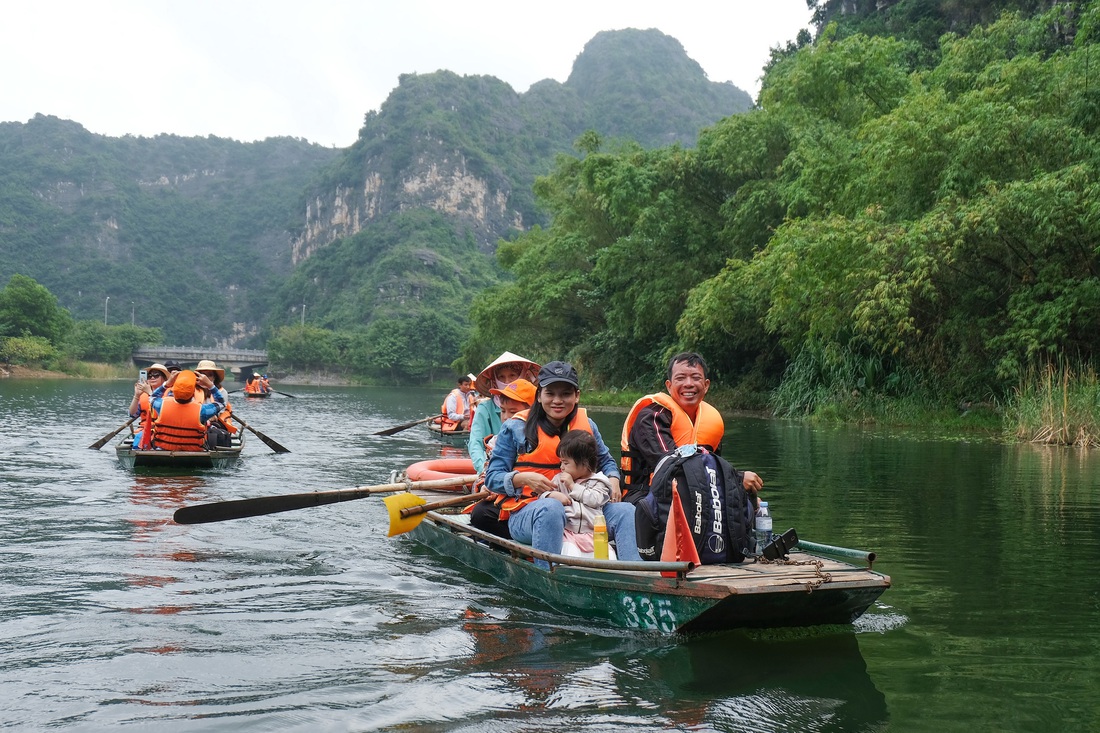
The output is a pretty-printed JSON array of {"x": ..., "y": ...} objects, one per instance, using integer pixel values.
[{"x": 643, "y": 612}]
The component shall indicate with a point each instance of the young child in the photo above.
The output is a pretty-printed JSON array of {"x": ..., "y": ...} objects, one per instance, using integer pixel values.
[
  {"x": 582, "y": 488},
  {"x": 517, "y": 395}
]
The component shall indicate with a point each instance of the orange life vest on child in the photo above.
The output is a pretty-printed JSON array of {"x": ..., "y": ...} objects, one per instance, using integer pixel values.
[
  {"x": 707, "y": 429},
  {"x": 179, "y": 427},
  {"x": 543, "y": 459}
]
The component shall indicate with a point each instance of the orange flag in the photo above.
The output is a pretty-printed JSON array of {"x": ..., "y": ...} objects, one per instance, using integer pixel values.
[{"x": 679, "y": 545}]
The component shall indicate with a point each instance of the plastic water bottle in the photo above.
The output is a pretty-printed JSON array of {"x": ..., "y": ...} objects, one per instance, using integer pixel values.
[
  {"x": 763, "y": 531},
  {"x": 599, "y": 537}
]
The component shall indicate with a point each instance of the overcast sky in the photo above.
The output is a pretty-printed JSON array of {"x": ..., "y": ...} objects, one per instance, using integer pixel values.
[{"x": 248, "y": 70}]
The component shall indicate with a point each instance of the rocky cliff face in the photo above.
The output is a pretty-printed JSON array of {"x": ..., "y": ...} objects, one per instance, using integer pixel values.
[{"x": 439, "y": 179}]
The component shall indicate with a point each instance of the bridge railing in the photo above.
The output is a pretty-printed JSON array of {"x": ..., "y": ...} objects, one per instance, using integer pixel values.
[{"x": 190, "y": 353}]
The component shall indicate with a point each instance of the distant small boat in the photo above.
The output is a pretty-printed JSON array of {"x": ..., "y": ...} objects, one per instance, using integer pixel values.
[
  {"x": 448, "y": 435},
  {"x": 257, "y": 395},
  {"x": 129, "y": 458}
]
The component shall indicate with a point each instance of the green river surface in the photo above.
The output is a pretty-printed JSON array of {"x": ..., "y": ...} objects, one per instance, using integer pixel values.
[{"x": 112, "y": 616}]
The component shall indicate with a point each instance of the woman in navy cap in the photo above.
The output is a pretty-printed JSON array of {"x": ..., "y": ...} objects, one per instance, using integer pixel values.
[{"x": 525, "y": 461}]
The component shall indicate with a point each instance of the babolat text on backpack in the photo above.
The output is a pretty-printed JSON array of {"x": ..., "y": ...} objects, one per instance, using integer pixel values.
[{"x": 719, "y": 511}]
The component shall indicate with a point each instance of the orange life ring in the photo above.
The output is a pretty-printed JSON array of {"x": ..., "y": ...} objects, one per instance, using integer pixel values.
[{"x": 440, "y": 468}]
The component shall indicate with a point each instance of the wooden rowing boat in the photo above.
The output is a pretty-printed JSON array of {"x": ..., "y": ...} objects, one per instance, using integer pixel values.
[
  {"x": 805, "y": 590},
  {"x": 130, "y": 459},
  {"x": 256, "y": 395},
  {"x": 456, "y": 436}
]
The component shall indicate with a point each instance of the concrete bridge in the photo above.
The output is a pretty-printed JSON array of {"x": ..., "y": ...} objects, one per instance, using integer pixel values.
[{"x": 239, "y": 362}]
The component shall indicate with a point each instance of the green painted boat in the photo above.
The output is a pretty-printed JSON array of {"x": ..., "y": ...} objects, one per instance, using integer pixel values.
[
  {"x": 130, "y": 459},
  {"x": 453, "y": 436},
  {"x": 807, "y": 589}
]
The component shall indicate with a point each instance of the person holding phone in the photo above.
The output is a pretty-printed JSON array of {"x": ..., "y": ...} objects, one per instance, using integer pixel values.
[{"x": 140, "y": 406}]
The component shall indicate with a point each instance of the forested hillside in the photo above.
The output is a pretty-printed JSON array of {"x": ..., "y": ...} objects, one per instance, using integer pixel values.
[
  {"x": 216, "y": 241},
  {"x": 463, "y": 153},
  {"x": 187, "y": 234},
  {"x": 894, "y": 220}
]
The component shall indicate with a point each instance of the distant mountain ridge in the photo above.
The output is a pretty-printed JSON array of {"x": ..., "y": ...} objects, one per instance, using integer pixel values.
[
  {"x": 215, "y": 240},
  {"x": 470, "y": 147}
]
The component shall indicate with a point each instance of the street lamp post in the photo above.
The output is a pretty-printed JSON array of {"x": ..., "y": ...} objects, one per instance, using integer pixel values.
[
  {"x": 131, "y": 313},
  {"x": 105, "y": 309},
  {"x": 303, "y": 314}
]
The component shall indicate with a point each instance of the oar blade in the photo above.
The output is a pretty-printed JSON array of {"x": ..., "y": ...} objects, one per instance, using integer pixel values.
[
  {"x": 403, "y": 426},
  {"x": 103, "y": 441},
  {"x": 394, "y": 505},
  {"x": 220, "y": 511},
  {"x": 266, "y": 440}
]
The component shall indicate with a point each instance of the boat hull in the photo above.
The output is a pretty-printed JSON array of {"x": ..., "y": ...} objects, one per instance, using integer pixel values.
[
  {"x": 808, "y": 591},
  {"x": 455, "y": 436},
  {"x": 130, "y": 459}
]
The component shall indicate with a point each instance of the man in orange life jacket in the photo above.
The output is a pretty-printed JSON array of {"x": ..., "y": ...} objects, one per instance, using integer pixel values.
[
  {"x": 458, "y": 408},
  {"x": 660, "y": 422}
]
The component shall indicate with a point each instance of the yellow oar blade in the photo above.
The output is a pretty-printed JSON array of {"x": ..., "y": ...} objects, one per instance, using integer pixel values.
[{"x": 394, "y": 505}]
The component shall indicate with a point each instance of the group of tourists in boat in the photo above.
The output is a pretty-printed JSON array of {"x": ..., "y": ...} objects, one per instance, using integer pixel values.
[
  {"x": 182, "y": 409},
  {"x": 257, "y": 385},
  {"x": 551, "y": 474}
]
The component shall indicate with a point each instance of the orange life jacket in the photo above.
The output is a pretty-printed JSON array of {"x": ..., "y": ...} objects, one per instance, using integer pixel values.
[
  {"x": 707, "y": 429},
  {"x": 179, "y": 427},
  {"x": 148, "y": 415},
  {"x": 447, "y": 424},
  {"x": 223, "y": 418},
  {"x": 543, "y": 459},
  {"x": 252, "y": 386}
]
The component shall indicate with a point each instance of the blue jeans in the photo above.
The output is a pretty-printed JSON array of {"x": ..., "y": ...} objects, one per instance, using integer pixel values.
[{"x": 541, "y": 524}]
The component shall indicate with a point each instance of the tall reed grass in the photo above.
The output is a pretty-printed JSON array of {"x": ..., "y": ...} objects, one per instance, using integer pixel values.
[{"x": 1057, "y": 404}]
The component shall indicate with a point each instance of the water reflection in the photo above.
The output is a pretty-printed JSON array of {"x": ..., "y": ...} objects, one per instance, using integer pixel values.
[
  {"x": 153, "y": 499},
  {"x": 788, "y": 680}
]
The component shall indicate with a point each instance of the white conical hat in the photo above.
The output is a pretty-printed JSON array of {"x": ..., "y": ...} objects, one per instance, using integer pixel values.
[{"x": 484, "y": 381}]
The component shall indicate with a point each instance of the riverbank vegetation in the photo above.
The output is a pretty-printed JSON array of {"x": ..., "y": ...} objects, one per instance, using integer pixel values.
[
  {"x": 37, "y": 333},
  {"x": 896, "y": 233}
]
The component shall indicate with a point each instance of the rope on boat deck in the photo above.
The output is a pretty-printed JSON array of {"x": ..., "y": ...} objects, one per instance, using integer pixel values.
[{"x": 811, "y": 585}]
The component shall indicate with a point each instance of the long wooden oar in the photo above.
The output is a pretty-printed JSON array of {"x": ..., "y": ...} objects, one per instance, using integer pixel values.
[
  {"x": 103, "y": 441},
  {"x": 220, "y": 511},
  {"x": 284, "y": 394},
  {"x": 267, "y": 441},
  {"x": 404, "y": 426},
  {"x": 407, "y": 510}
]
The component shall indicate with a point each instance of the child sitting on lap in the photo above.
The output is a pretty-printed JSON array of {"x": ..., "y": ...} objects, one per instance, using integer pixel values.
[{"x": 582, "y": 488}]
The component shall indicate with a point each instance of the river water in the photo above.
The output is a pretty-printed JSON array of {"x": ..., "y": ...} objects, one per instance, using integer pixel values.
[{"x": 113, "y": 616}]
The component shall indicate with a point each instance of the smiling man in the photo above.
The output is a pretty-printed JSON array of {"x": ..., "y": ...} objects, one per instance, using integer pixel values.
[{"x": 661, "y": 422}]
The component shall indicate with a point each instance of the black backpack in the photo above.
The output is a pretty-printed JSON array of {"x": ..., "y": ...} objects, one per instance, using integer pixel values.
[{"x": 718, "y": 509}]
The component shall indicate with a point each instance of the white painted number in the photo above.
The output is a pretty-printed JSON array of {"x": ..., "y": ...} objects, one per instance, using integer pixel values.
[{"x": 643, "y": 613}]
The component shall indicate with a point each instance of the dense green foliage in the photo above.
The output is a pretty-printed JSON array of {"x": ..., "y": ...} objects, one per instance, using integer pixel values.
[
  {"x": 892, "y": 219},
  {"x": 405, "y": 283},
  {"x": 36, "y": 330}
]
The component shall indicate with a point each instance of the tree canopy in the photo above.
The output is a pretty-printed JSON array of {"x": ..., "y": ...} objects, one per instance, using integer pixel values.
[{"x": 885, "y": 219}]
